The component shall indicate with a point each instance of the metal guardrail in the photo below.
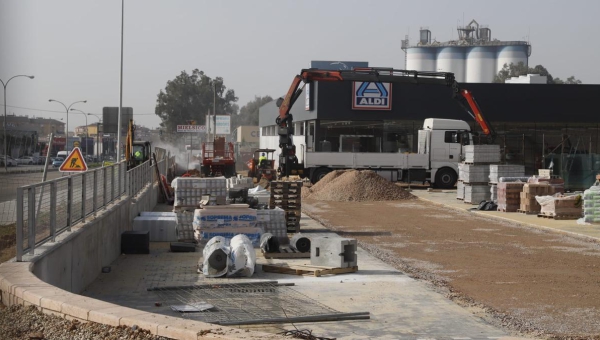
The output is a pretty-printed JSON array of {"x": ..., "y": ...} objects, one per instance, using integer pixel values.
[{"x": 44, "y": 210}]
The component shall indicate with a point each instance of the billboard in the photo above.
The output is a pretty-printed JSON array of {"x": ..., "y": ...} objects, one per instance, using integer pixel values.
[
  {"x": 191, "y": 128},
  {"x": 223, "y": 124},
  {"x": 110, "y": 118},
  {"x": 367, "y": 95}
]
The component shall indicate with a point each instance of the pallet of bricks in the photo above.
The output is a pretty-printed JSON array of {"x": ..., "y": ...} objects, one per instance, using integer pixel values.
[
  {"x": 529, "y": 205},
  {"x": 561, "y": 207},
  {"x": 474, "y": 172},
  {"x": 286, "y": 195},
  {"x": 509, "y": 196},
  {"x": 503, "y": 171},
  {"x": 189, "y": 191}
]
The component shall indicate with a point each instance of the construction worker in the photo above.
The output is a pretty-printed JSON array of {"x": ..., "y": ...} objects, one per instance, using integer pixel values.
[{"x": 262, "y": 160}]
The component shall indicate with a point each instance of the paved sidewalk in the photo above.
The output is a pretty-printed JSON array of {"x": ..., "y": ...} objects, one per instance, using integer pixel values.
[{"x": 448, "y": 199}]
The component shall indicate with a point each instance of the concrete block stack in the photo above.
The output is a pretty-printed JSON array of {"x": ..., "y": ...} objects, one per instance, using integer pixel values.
[
  {"x": 273, "y": 221},
  {"x": 475, "y": 182},
  {"x": 189, "y": 191},
  {"x": 226, "y": 221},
  {"x": 161, "y": 226},
  {"x": 460, "y": 189},
  {"x": 286, "y": 195},
  {"x": 498, "y": 171},
  {"x": 483, "y": 154},
  {"x": 509, "y": 196},
  {"x": 529, "y": 205}
]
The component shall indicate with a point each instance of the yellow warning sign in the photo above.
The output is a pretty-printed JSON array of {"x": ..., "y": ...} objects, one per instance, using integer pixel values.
[
  {"x": 76, "y": 144},
  {"x": 74, "y": 162}
]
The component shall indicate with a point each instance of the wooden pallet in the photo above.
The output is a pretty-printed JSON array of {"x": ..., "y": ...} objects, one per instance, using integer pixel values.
[
  {"x": 306, "y": 269},
  {"x": 285, "y": 191},
  {"x": 285, "y": 252},
  {"x": 559, "y": 217},
  {"x": 286, "y": 185},
  {"x": 285, "y": 196},
  {"x": 527, "y": 212}
]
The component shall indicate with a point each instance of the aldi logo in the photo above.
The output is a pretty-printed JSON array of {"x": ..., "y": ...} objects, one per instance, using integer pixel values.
[{"x": 371, "y": 96}]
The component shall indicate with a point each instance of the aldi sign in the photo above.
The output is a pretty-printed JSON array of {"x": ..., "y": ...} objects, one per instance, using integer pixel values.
[{"x": 371, "y": 96}]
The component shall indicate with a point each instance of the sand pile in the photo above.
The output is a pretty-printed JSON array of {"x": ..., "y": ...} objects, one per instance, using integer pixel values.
[{"x": 354, "y": 185}]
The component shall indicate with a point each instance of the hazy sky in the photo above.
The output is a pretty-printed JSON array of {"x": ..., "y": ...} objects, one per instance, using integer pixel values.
[{"x": 73, "y": 46}]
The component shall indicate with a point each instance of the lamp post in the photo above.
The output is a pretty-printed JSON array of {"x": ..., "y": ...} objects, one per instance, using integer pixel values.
[
  {"x": 86, "y": 129},
  {"x": 97, "y": 134},
  {"x": 67, "y": 108},
  {"x": 5, "y": 142}
]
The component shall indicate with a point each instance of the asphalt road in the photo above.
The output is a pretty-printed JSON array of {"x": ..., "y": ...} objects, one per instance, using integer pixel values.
[{"x": 11, "y": 181}]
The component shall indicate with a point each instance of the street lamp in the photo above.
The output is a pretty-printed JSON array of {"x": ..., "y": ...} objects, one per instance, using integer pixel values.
[
  {"x": 5, "y": 143},
  {"x": 86, "y": 128},
  {"x": 67, "y": 108},
  {"x": 97, "y": 134}
]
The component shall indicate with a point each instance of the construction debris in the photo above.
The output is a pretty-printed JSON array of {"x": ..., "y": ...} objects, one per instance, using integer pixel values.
[{"x": 355, "y": 185}]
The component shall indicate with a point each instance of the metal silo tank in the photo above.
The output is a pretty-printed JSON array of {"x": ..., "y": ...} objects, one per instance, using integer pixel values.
[
  {"x": 481, "y": 64},
  {"x": 511, "y": 54},
  {"x": 452, "y": 59},
  {"x": 420, "y": 59}
]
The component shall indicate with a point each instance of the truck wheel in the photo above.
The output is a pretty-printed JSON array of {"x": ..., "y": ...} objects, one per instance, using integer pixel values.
[
  {"x": 445, "y": 178},
  {"x": 318, "y": 174}
]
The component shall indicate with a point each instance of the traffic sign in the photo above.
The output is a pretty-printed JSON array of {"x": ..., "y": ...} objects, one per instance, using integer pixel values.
[
  {"x": 74, "y": 162},
  {"x": 76, "y": 144},
  {"x": 191, "y": 128}
]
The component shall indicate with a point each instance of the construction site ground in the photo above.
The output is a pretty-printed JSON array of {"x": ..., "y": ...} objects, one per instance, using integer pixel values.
[
  {"x": 428, "y": 268},
  {"x": 536, "y": 276}
]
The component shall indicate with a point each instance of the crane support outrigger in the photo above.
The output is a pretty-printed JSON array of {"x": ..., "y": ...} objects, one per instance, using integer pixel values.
[{"x": 288, "y": 161}]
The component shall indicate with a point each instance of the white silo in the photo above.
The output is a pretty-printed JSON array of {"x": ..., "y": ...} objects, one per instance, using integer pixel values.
[
  {"x": 420, "y": 59},
  {"x": 452, "y": 59},
  {"x": 511, "y": 54},
  {"x": 481, "y": 64}
]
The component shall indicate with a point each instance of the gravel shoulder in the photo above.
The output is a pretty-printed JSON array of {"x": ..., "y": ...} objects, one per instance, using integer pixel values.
[{"x": 534, "y": 282}]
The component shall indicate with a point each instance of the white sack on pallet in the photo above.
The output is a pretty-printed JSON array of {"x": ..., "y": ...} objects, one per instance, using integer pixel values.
[
  {"x": 242, "y": 257},
  {"x": 216, "y": 257}
]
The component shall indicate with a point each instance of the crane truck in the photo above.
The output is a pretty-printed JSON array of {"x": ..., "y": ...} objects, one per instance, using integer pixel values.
[{"x": 440, "y": 141}]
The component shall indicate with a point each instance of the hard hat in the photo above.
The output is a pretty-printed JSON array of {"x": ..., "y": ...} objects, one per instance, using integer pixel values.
[{"x": 263, "y": 154}]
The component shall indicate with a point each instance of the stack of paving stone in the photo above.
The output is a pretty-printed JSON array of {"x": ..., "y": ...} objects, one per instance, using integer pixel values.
[
  {"x": 561, "y": 207},
  {"x": 189, "y": 191},
  {"x": 473, "y": 182},
  {"x": 498, "y": 171},
  {"x": 286, "y": 195},
  {"x": 529, "y": 205},
  {"x": 273, "y": 221}
]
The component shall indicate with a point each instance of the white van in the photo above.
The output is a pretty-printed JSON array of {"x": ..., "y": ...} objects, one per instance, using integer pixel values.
[{"x": 62, "y": 154}]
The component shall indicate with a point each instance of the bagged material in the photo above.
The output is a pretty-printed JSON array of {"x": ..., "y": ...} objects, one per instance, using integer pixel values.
[
  {"x": 226, "y": 216},
  {"x": 242, "y": 257},
  {"x": 216, "y": 257},
  {"x": 591, "y": 205},
  {"x": 201, "y": 235}
]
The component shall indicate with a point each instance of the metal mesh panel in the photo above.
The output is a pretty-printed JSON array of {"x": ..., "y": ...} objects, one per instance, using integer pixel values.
[
  {"x": 100, "y": 186},
  {"x": 109, "y": 182},
  {"x": 76, "y": 201},
  {"x": 25, "y": 216},
  {"x": 89, "y": 193},
  {"x": 42, "y": 213},
  {"x": 62, "y": 199}
]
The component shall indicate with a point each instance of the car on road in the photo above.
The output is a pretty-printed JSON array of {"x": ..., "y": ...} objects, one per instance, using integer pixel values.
[
  {"x": 10, "y": 161},
  {"x": 26, "y": 160},
  {"x": 57, "y": 162}
]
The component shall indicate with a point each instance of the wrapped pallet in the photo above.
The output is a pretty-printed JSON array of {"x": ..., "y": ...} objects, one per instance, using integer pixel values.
[
  {"x": 530, "y": 190},
  {"x": 509, "y": 196},
  {"x": 494, "y": 193},
  {"x": 591, "y": 205},
  {"x": 226, "y": 221},
  {"x": 557, "y": 183},
  {"x": 498, "y": 171},
  {"x": 482, "y": 154},
  {"x": 460, "y": 190},
  {"x": 189, "y": 191},
  {"x": 561, "y": 207}
]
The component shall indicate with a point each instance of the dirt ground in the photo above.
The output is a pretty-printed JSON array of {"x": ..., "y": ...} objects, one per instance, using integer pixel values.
[{"x": 535, "y": 282}]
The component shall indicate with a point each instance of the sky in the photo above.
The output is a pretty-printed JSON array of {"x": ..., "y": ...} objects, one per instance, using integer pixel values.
[{"x": 72, "y": 47}]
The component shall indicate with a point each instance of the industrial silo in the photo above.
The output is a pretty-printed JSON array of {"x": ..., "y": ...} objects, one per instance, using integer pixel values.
[
  {"x": 480, "y": 64},
  {"x": 421, "y": 59},
  {"x": 452, "y": 59},
  {"x": 511, "y": 54}
]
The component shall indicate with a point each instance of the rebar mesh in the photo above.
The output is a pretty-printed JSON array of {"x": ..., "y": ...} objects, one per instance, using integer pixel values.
[{"x": 243, "y": 302}]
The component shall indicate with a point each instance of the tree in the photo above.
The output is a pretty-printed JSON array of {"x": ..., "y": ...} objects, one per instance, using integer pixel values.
[
  {"x": 519, "y": 69},
  {"x": 249, "y": 113},
  {"x": 190, "y": 97}
]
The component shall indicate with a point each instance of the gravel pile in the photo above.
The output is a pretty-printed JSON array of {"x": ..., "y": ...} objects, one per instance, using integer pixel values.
[
  {"x": 18, "y": 322},
  {"x": 354, "y": 185}
]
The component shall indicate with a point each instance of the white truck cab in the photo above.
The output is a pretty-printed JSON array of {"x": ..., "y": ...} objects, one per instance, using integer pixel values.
[{"x": 440, "y": 147}]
